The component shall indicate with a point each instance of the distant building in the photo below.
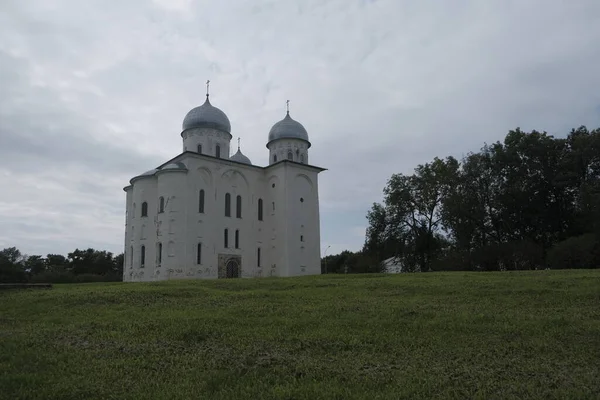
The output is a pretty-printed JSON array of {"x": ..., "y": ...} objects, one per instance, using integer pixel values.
[
  {"x": 392, "y": 265},
  {"x": 204, "y": 214}
]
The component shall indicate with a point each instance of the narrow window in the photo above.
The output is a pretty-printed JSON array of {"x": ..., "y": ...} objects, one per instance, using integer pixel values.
[
  {"x": 218, "y": 151},
  {"x": 159, "y": 253},
  {"x": 161, "y": 204},
  {"x": 238, "y": 206},
  {"x": 144, "y": 209},
  {"x": 273, "y": 204},
  {"x": 131, "y": 257},
  {"x": 290, "y": 155},
  {"x": 227, "y": 205},
  {"x": 199, "y": 149},
  {"x": 226, "y": 238},
  {"x": 260, "y": 209},
  {"x": 258, "y": 257},
  {"x": 199, "y": 254},
  {"x": 237, "y": 238},
  {"x": 302, "y": 238},
  {"x": 143, "y": 256},
  {"x": 275, "y": 158},
  {"x": 302, "y": 158},
  {"x": 201, "y": 201}
]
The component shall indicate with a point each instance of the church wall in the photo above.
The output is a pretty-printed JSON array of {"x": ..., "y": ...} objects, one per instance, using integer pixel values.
[
  {"x": 217, "y": 179},
  {"x": 303, "y": 239},
  {"x": 144, "y": 190},
  {"x": 172, "y": 224},
  {"x": 126, "y": 245},
  {"x": 276, "y": 196},
  {"x": 209, "y": 138}
]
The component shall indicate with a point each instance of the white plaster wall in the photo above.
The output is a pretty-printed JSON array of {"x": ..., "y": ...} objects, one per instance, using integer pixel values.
[
  {"x": 127, "y": 253},
  {"x": 144, "y": 189},
  {"x": 281, "y": 148},
  {"x": 181, "y": 227},
  {"x": 172, "y": 224},
  {"x": 218, "y": 178},
  {"x": 303, "y": 226},
  {"x": 208, "y": 138}
]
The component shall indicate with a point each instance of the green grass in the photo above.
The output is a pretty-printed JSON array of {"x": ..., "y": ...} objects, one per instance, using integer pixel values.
[{"x": 436, "y": 335}]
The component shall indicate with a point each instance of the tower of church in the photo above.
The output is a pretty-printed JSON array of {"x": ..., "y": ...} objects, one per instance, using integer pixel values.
[
  {"x": 204, "y": 214},
  {"x": 288, "y": 140}
]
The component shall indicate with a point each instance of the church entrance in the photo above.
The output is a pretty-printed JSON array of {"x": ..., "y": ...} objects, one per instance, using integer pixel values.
[
  {"x": 232, "y": 269},
  {"x": 230, "y": 266}
]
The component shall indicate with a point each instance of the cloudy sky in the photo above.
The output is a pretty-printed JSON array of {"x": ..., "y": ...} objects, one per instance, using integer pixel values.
[{"x": 94, "y": 92}]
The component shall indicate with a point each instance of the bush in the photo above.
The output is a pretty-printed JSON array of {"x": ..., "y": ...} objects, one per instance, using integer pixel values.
[{"x": 575, "y": 252}]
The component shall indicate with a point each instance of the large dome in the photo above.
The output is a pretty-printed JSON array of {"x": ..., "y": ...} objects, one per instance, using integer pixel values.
[
  {"x": 206, "y": 116},
  {"x": 287, "y": 128}
]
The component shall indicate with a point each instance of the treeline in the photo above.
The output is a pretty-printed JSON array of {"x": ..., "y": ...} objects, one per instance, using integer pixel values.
[
  {"x": 79, "y": 266},
  {"x": 531, "y": 202}
]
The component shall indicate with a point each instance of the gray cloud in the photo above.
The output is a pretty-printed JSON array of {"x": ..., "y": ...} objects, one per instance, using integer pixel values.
[{"x": 93, "y": 93}]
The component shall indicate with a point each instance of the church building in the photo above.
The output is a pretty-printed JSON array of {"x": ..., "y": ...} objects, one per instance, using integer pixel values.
[{"x": 206, "y": 214}]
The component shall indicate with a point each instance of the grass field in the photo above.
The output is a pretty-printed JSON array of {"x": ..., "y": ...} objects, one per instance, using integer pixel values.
[{"x": 435, "y": 335}]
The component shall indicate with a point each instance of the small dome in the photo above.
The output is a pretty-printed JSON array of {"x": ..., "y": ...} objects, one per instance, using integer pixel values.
[
  {"x": 206, "y": 116},
  {"x": 287, "y": 128},
  {"x": 239, "y": 157},
  {"x": 175, "y": 165}
]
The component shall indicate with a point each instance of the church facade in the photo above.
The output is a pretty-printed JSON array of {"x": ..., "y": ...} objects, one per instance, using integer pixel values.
[{"x": 205, "y": 214}]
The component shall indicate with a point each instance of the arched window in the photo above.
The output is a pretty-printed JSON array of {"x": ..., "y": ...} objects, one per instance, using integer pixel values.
[
  {"x": 161, "y": 204},
  {"x": 159, "y": 254},
  {"x": 218, "y": 151},
  {"x": 302, "y": 238},
  {"x": 227, "y": 205},
  {"x": 199, "y": 149},
  {"x": 226, "y": 238},
  {"x": 258, "y": 258},
  {"x": 144, "y": 209},
  {"x": 274, "y": 158},
  {"x": 290, "y": 155},
  {"x": 237, "y": 238},
  {"x": 199, "y": 254},
  {"x": 143, "y": 256},
  {"x": 238, "y": 206},
  {"x": 302, "y": 158},
  {"x": 260, "y": 209},
  {"x": 273, "y": 205},
  {"x": 201, "y": 201}
]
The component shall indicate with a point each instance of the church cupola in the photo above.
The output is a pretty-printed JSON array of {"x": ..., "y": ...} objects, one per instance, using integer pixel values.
[
  {"x": 206, "y": 130},
  {"x": 239, "y": 157},
  {"x": 288, "y": 140}
]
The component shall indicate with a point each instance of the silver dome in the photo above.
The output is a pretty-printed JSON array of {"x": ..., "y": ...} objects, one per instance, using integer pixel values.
[
  {"x": 239, "y": 157},
  {"x": 287, "y": 128},
  {"x": 206, "y": 116}
]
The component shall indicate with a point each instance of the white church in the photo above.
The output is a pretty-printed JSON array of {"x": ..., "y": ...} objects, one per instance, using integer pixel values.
[{"x": 206, "y": 214}]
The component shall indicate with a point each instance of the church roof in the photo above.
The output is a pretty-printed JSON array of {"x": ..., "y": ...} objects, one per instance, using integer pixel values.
[
  {"x": 288, "y": 128},
  {"x": 206, "y": 116}
]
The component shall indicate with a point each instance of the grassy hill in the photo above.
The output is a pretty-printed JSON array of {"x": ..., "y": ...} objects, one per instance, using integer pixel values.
[{"x": 434, "y": 335}]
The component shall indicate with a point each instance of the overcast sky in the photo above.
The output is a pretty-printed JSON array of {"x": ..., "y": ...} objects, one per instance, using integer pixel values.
[{"x": 94, "y": 92}]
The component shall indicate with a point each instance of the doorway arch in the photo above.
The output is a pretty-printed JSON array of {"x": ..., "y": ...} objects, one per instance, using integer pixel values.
[{"x": 232, "y": 269}]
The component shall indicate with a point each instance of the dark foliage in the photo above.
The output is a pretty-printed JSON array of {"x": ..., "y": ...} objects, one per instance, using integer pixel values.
[
  {"x": 530, "y": 202},
  {"x": 80, "y": 266}
]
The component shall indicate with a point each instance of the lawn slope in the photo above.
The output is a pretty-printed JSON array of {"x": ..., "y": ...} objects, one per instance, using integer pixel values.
[{"x": 435, "y": 335}]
